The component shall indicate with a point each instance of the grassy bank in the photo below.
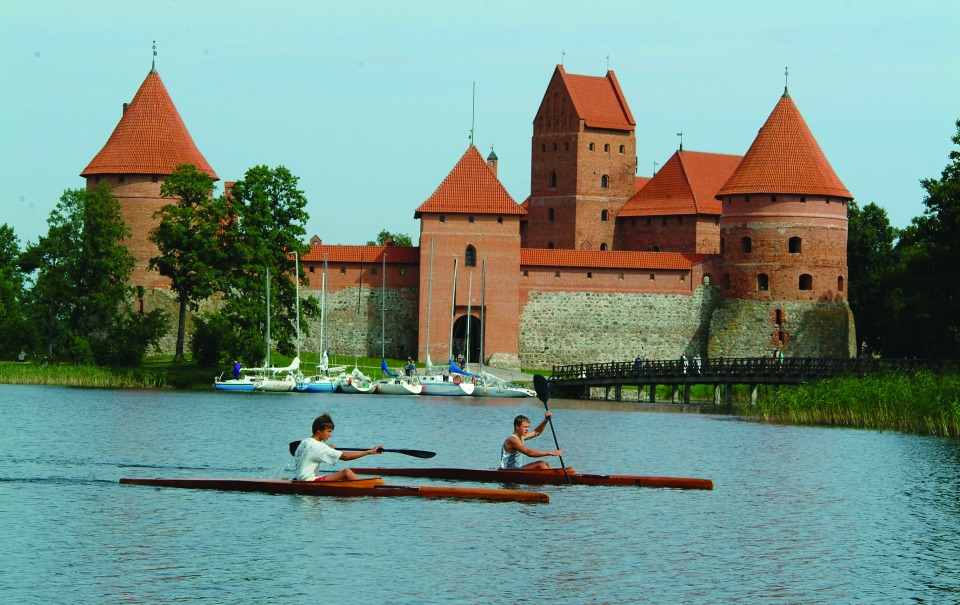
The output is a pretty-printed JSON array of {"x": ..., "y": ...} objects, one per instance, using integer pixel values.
[
  {"x": 79, "y": 376},
  {"x": 922, "y": 404}
]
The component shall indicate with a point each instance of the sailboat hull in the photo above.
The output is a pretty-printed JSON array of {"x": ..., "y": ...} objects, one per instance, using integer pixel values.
[{"x": 398, "y": 386}]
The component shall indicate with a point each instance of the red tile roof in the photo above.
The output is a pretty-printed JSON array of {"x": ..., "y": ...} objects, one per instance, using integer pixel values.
[
  {"x": 151, "y": 138},
  {"x": 470, "y": 188},
  {"x": 785, "y": 158},
  {"x": 535, "y": 257},
  {"x": 687, "y": 184},
  {"x": 364, "y": 254},
  {"x": 598, "y": 101}
]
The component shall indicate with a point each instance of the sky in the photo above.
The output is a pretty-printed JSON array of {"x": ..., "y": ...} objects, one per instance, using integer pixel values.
[{"x": 371, "y": 104}]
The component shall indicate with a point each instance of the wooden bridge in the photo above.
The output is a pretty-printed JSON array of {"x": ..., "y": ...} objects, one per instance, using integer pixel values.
[{"x": 576, "y": 381}]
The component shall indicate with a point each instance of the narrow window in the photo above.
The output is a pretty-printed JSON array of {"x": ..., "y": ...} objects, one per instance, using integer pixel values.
[
  {"x": 621, "y": 277},
  {"x": 470, "y": 256},
  {"x": 664, "y": 220},
  {"x": 603, "y": 247},
  {"x": 803, "y": 199},
  {"x": 622, "y": 149},
  {"x": 592, "y": 146},
  {"x": 403, "y": 271},
  {"x": 566, "y": 146},
  {"x": 649, "y": 221},
  {"x": 604, "y": 215},
  {"x": 606, "y": 147},
  {"x": 553, "y": 180},
  {"x": 589, "y": 274},
  {"x": 155, "y": 178},
  {"x": 373, "y": 270},
  {"x": 683, "y": 277},
  {"x": 550, "y": 214},
  {"x": 443, "y": 219},
  {"x": 470, "y": 219},
  {"x": 747, "y": 245},
  {"x": 653, "y": 276},
  {"x": 121, "y": 179},
  {"x": 840, "y": 284},
  {"x": 604, "y": 181},
  {"x": 311, "y": 269},
  {"x": 543, "y": 147},
  {"x": 656, "y": 248},
  {"x": 499, "y": 220},
  {"x": 706, "y": 280},
  {"x": 343, "y": 270},
  {"x": 806, "y": 282},
  {"x": 763, "y": 282},
  {"x": 795, "y": 245},
  {"x": 778, "y": 317},
  {"x": 526, "y": 273},
  {"x": 557, "y": 274},
  {"x": 773, "y": 198},
  {"x": 549, "y": 245},
  {"x": 723, "y": 244}
]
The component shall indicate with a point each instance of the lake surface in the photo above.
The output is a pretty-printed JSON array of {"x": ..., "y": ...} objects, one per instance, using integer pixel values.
[{"x": 798, "y": 515}]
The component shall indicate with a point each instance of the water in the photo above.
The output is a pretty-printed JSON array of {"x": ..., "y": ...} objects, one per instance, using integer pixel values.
[{"x": 799, "y": 515}]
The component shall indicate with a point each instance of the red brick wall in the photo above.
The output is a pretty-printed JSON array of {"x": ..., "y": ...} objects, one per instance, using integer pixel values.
[
  {"x": 498, "y": 237},
  {"x": 821, "y": 225},
  {"x": 139, "y": 197},
  {"x": 693, "y": 234}
]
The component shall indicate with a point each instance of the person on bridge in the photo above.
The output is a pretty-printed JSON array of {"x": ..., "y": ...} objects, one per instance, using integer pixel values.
[
  {"x": 513, "y": 449},
  {"x": 314, "y": 451}
]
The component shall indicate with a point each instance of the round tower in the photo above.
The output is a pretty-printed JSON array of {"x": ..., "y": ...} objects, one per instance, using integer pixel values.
[
  {"x": 783, "y": 241},
  {"x": 149, "y": 142}
]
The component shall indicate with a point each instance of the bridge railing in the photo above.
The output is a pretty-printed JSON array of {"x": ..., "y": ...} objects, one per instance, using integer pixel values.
[{"x": 744, "y": 367}]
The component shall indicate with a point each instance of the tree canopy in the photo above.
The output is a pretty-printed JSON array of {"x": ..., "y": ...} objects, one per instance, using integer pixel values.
[{"x": 399, "y": 239}]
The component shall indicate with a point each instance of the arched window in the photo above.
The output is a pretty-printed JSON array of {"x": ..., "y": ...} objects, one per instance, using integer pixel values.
[
  {"x": 840, "y": 284},
  {"x": 592, "y": 146},
  {"x": 606, "y": 147},
  {"x": 603, "y": 246},
  {"x": 604, "y": 181},
  {"x": 747, "y": 245},
  {"x": 604, "y": 215},
  {"x": 550, "y": 214},
  {"x": 806, "y": 282},
  {"x": 706, "y": 279},
  {"x": 796, "y": 244},
  {"x": 553, "y": 180},
  {"x": 763, "y": 282},
  {"x": 622, "y": 149},
  {"x": 470, "y": 257}
]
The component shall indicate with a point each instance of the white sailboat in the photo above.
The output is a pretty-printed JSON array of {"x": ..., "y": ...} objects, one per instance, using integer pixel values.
[
  {"x": 442, "y": 380},
  {"x": 320, "y": 381},
  {"x": 356, "y": 382},
  {"x": 271, "y": 379}
]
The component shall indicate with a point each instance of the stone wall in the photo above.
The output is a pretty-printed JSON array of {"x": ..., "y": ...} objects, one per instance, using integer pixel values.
[
  {"x": 585, "y": 327},
  {"x": 743, "y": 328}
]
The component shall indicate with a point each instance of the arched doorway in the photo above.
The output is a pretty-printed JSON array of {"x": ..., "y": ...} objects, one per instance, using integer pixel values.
[{"x": 460, "y": 337}]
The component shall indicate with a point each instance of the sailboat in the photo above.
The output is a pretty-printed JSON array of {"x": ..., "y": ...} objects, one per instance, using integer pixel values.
[
  {"x": 356, "y": 382},
  {"x": 320, "y": 382},
  {"x": 393, "y": 384},
  {"x": 443, "y": 380},
  {"x": 489, "y": 385}
]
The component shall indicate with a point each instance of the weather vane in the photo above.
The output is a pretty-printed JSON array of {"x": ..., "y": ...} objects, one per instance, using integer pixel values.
[
  {"x": 153, "y": 61},
  {"x": 563, "y": 55},
  {"x": 680, "y": 134},
  {"x": 786, "y": 80}
]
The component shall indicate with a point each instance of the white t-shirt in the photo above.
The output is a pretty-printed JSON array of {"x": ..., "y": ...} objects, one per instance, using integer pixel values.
[{"x": 310, "y": 455}]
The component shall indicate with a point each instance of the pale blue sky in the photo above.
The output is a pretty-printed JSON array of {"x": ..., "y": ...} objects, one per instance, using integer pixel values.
[{"x": 369, "y": 103}]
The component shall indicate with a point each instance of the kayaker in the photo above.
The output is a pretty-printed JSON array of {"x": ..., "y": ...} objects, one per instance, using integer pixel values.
[
  {"x": 513, "y": 449},
  {"x": 314, "y": 451}
]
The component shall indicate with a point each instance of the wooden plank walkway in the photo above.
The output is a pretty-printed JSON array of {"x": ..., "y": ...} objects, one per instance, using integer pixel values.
[{"x": 576, "y": 381}]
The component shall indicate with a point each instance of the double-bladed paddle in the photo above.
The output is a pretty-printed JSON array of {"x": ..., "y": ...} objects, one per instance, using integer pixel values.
[
  {"x": 542, "y": 388},
  {"x": 415, "y": 453}
]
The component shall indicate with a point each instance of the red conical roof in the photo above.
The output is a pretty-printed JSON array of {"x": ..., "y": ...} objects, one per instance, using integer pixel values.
[
  {"x": 785, "y": 158},
  {"x": 151, "y": 138},
  {"x": 470, "y": 188}
]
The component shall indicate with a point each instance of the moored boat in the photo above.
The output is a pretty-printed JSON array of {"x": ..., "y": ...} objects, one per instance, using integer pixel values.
[
  {"x": 449, "y": 385},
  {"x": 243, "y": 383},
  {"x": 373, "y": 487},
  {"x": 399, "y": 385},
  {"x": 552, "y": 476}
]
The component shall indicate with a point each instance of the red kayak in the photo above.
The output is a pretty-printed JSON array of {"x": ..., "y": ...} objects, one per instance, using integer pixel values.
[
  {"x": 552, "y": 476},
  {"x": 374, "y": 487}
]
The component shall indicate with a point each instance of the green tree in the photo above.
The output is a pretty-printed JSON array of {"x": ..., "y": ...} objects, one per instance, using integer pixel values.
[
  {"x": 16, "y": 333},
  {"x": 271, "y": 225},
  {"x": 930, "y": 247},
  {"x": 187, "y": 238},
  {"x": 399, "y": 239},
  {"x": 871, "y": 261},
  {"x": 79, "y": 270}
]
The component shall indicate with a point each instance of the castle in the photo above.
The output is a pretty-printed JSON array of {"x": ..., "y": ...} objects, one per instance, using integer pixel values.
[{"x": 716, "y": 255}]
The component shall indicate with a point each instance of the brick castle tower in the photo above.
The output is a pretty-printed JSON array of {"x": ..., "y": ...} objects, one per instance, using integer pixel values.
[
  {"x": 149, "y": 142},
  {"x": 583, "y": 163}
]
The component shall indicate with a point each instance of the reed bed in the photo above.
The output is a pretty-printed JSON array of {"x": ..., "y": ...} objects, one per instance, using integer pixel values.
[
  {"x": 78, "y": 376},
  {"x": 922, "y": 404}
]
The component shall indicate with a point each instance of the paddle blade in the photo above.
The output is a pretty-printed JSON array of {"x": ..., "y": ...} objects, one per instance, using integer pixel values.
[
  {"x": 415, "y": 453},
  {"x": 542, "y": 387},
  {"x": 293, "y": 447}
]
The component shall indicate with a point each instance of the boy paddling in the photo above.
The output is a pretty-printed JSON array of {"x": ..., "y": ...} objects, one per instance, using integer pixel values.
[
  {"x": 513, "y": 449},
  {"x": 314, "y": 451}
]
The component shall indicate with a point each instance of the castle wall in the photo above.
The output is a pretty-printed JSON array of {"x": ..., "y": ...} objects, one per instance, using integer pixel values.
[
  {"x": 698, "y": 234},
  {"x": 746, "y": 328},
  {"x": 585, "y": 327}
]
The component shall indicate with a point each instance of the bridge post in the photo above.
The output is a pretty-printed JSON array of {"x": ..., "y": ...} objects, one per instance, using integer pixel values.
[
  {"x": 728, "y": 394},
  {"x": 674, "y": 393},
  {"x": 686, "y": 393},
  {"x": 618, "y": 392},
  {"x": 754, "y": 390},
  {"x": 653, "y": 392}
]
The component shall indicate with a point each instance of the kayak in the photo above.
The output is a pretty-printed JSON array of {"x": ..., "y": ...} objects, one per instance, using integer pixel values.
[
  {"x": 374, "y": 487},
  {"x": 551, "y": 476}
]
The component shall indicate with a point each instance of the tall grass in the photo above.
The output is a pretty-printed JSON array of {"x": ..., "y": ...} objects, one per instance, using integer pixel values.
[
  {"x": 78, "y": 376},
  {"x": 922, "y": 403}
]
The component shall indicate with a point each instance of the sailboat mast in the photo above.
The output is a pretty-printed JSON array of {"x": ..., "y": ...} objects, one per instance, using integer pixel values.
[
  {"x": 453, "y": 309},
  {"x": 296, "y": 275},
  {"x": 483, "y": 308},
  {"x": 383, "y": 311},
  {"x": 324, "y": 335},
  {"x": 466, "y": 346},
  {"x": 266, "y": 363},
  {"x": 356, "y": 338}
]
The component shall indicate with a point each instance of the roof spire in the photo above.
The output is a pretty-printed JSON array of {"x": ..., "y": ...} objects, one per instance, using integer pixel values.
[
  {"x": 153, "y": 61},
  {"x": 608, "y": 61},
  {"x": 786, "y": 79},
  {"x": 473, "y": 113},
  {"x": 680, "y": 134}
]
